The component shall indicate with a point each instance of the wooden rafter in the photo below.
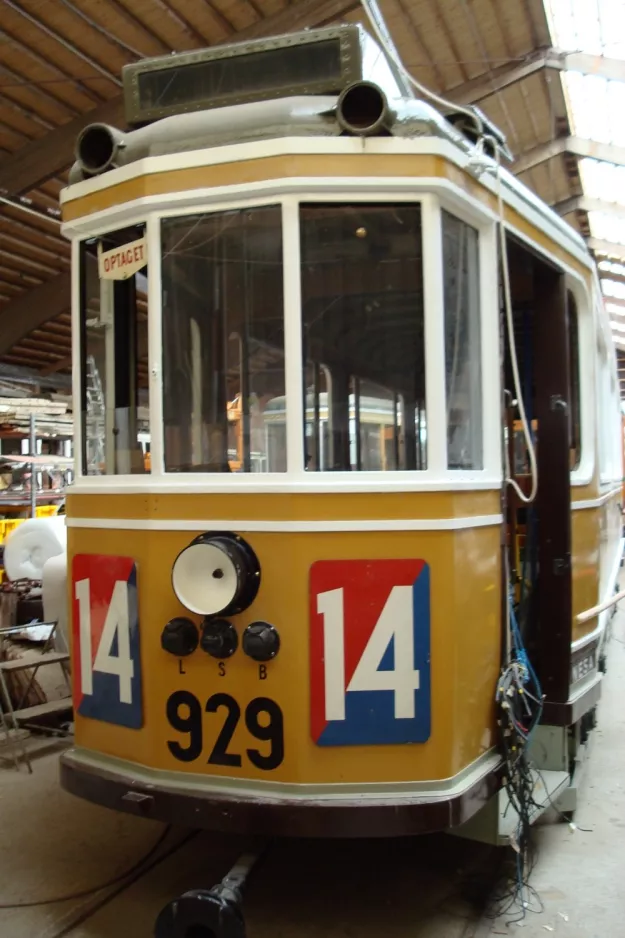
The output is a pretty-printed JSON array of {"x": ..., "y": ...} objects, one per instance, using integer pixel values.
[
  {"x": 29, "y": 310},
  {"x": 44, "y": 158}
]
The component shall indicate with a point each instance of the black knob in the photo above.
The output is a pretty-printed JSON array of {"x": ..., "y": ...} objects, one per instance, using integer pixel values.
[
  {"x": 261, "y": 641},
  {"x": 180, "y": 637},
  {"x": 219, "y": 638}
]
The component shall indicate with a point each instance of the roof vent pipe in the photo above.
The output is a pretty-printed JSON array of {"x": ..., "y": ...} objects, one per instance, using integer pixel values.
[
  {"x": 362, "y": 109},
  {"x": 97, "y": 148}
]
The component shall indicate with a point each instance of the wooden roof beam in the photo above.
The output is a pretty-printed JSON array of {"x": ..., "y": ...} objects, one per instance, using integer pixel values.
[
  {"x": 49, "y": 155},
  {"x": 29, "y": 310},
  {"x": 43, "y": 158},
  {"x": 576, "y": 146},
  {"x": 498, "y": 79},
  {"x": 617, "y": 251},
  {"x": 615, "y": 278},
  {"x": 583, "y": 203}
]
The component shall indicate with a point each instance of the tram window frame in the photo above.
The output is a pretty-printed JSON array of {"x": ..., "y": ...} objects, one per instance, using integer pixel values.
[
  {"x": 346, "y": 441},
  {"x": 575, "y": 409},
  {"x": 608, "y": 415},
  {"x": 122, "y": 403}
]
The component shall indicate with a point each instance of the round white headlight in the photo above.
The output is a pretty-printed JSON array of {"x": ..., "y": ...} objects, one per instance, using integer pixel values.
[{"x": 216, "y": 574}]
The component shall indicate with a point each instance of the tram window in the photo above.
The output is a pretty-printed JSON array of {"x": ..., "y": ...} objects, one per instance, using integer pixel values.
[
  {"x": 115, "y": 410},
  {"x": 575, "y": 409},
  {"x": 223, "y": 342},
  {"x": 463, "y": 372},
  {"x": 363, "y": 337}
]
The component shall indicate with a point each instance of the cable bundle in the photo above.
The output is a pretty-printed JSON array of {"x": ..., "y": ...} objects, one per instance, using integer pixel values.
[{"x": 520, "y": 702}]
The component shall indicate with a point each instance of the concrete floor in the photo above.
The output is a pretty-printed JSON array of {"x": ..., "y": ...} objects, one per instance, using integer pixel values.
[{"x": 52, "y": 844}]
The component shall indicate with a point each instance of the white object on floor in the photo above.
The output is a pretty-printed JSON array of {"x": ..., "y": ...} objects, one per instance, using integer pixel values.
[{"x": 30, "y": 545}]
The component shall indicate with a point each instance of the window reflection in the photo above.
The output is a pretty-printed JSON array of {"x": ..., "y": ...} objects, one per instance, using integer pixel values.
[
  {"x": 363, "y": 337},
  {"x": 575, "y": 408},
  {"x": 463, "y": 371},
  {"x": 114, "y": 312},
  {"x": 223, "y": 342}
]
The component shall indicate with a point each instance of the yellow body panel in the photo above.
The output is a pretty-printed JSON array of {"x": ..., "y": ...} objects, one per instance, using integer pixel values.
[
  {"x": 595, "y": 534},
  {"x": 465, "y": 630},
  {"x": 585, "y": 565},
  {"x": 286, "y": 507}
]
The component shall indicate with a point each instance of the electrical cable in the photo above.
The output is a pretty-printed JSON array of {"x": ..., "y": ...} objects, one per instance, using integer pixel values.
[
  {"x": 561, "y": 814},
  {"x": 422, "y": 89},
  {"x": 120, "y": 877},
  {"x": 78, "y": 917},
  {"x": 519, "y": 699},
  {"x": 479, "y": 164},
  {"x": 526, "y": 499},
  {"x": 479, "y": 151}
]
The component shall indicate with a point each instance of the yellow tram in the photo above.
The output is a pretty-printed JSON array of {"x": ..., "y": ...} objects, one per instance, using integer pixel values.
[{"x": 293, "y": 618}]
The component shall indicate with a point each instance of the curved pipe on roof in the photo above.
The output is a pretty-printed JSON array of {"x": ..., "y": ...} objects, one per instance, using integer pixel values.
[
  {"x": 100, "y": 148},
  {"x": 362, "y": 109}
]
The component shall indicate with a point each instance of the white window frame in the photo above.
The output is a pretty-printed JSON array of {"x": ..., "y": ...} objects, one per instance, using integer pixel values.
[
  {"x": 586, "y": 363},
  {"x": 433, "y": 194},
  {"x": 85, "y": 233},
  {"x": 588, "y": 326},
  {"x": 473, "y": 214}
]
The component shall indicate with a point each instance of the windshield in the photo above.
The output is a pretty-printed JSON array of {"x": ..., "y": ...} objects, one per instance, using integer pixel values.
[
  {"x": 223, "y": 341},
  {"x": 363, "y": 337}
]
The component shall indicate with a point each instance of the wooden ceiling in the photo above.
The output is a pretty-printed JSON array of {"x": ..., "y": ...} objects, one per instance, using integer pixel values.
[{"x": 60, "y": 66}]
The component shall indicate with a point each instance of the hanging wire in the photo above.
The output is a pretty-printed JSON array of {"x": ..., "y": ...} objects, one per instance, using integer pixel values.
[{"x": 372, "y": 15}]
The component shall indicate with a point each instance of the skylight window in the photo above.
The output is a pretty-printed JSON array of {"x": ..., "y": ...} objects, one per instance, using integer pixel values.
[
  {"x": 608, "y": 227},
  {"x": 614, "y": 288},
  {"x": 601, "y": 180},
  {"x": 593, "y": 26},
  {"x": 596, "y": 107}
]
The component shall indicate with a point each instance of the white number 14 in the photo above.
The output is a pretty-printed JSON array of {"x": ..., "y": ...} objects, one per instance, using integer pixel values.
[
  {"x": 117, "y": 625},
  {"x": 395, "y": 622}
]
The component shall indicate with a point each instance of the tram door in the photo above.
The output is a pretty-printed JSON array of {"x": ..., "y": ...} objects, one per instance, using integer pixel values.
[{"x": 539, "y": 535}]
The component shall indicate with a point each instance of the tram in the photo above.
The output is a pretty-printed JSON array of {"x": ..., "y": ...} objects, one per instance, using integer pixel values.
[{"x": 372, "y": 438}]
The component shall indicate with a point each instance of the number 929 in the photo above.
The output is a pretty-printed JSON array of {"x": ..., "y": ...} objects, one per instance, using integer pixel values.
[{"x": 184, "y": 714}]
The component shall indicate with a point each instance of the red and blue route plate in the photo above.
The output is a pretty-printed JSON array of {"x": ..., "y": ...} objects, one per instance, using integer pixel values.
[
  {"x": 370, "y": 652},
  {"x": 105, "y": 629}
]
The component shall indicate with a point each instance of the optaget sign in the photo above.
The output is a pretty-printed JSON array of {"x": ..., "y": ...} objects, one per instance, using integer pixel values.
[{"x": 122, "y": 262}]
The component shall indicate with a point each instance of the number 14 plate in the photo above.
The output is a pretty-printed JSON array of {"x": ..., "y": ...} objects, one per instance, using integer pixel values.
[
  {"x": 370, "y": 652},
  {"x": 105, "y": 631}
]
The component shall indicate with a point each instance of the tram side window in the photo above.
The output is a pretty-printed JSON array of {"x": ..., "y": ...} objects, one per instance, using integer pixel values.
[
  {"x": 608, "y": 402},
  {"x": 363, "y": 337},
  {"x": 115, "y": 405},
  {"x": 223, "y": 342},
  {"x": 575, "y": 408},
  {"x": 463, "y": 371}
]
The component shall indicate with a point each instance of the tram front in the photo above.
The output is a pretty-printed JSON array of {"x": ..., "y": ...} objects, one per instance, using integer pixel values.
[{"x": 284, "y": 533}]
